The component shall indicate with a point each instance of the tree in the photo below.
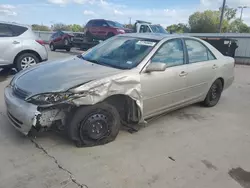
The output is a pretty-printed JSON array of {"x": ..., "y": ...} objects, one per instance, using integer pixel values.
[
  {"x": 61, "y": 26},
  {"x": 229, "y": 13},
  {"x": 37, "y": 27},
  {"x": 178, "y": 28},
  {"x": 207, "y": 22},
  {"x": 237, "y": 26},
  {"x": 130, "y": 26},
  {"x": 76, "y": 28}
]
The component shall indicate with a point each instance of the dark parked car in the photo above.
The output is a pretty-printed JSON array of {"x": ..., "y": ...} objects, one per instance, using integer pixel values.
[
  {"x": 102, "y": 29},
  {"x": 61, "y": 40}
]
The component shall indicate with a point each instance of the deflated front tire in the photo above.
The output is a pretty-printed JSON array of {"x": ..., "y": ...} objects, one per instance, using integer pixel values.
[{"x": 94, "y": 125}]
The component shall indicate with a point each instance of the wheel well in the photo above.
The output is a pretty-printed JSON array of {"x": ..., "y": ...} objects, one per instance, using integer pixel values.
[
  {"x": 110, "y": 33},
  {"x": 128, "y": 109},
  {"x": 27, "y": 51},
  {"x": 222, "y": 81}
]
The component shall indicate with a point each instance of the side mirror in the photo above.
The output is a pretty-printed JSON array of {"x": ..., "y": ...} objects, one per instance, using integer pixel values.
[{"x": 152, "y": 67}]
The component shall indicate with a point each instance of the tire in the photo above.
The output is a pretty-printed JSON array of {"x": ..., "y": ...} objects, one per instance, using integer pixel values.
[
  {"x": 52, "y": 47},
  {"x": 214, "y": 94},
  {"x": 30, "y": 58},
  {"x": 68, "y": 49},
  {"x": 110, "y": 35},
  {"x": 94, "y": 125},
  {"x": 66, "y": 42},
  {"x": 89, "y": 37}
]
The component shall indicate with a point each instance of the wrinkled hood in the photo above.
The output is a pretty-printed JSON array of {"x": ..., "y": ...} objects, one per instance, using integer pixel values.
[{"x": 61, "y": 75}]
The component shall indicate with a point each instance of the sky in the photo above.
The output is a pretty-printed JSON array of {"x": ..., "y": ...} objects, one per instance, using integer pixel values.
[{"x": 164, "y": 12}]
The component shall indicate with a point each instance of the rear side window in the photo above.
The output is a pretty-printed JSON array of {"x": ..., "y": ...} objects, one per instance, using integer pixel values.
[
  {"x": 5, "y": 31},
  {"x": 18, "y": 30},
  {"x": 197, "y": 52}
]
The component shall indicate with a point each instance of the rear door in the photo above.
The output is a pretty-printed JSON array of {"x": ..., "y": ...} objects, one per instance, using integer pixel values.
[
  {"x": 9, "y": 43},
  {"x": 201, "y": 69}
]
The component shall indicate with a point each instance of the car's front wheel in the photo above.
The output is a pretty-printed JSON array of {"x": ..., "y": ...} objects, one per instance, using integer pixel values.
[
  {"x": 94, "y": 125},
  {"x": 214, "y": 94},
  {"x": 25, "y": 61},
  {"x": 52, "y": 47}
]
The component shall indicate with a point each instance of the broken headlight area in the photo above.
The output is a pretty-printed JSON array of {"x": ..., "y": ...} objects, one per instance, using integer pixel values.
[{"x": 49, "y": 98}]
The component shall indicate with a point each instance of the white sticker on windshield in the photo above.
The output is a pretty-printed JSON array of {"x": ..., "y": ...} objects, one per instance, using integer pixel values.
[
  {"x": 146, "y": 43},
  {"x": 129, "y": 62}
]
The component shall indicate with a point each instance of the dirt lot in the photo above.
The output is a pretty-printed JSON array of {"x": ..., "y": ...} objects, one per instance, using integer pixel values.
[{"x": 193, "y": 147}]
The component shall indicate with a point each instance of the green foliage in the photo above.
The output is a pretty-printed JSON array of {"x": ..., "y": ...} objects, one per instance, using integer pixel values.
[
  {"x": 130, "y": 26},
  {"x": 60, "y": 27},
  {"x": 207, "y": 22},
  {"x": 37, "y": 27},
  {"x": 237, "y": 26},
  {"x": 178, "y": 28},
  {"x": 76, "y": 28},
  {"x": 229, "y": 13}
]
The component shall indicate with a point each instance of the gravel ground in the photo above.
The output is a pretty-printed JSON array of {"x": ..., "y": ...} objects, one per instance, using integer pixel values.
[{"x": 191, "y": 147}]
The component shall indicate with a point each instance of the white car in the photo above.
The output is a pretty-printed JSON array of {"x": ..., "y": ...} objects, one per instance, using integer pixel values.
[
  {"x": 19, "y": 46},
  {"x": 127, "y": 78}
]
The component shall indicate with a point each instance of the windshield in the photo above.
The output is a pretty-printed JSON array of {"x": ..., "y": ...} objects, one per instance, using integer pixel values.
[
  {"x": 120, "y": 52},
  {"x": 115, "y": 24},
  {"x": 158, "y": 29}
]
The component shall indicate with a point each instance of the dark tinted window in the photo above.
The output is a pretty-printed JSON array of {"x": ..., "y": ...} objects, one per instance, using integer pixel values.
[
  {"x": 18, "y": 30},
  {"x": 114, "y": 24},
  {"x": 171, "y": 53},
  {"x": 197, "y": 52},
  {"x": 99, "y": 23},
  {"x": 89, "y": 24},
  {"x": 5, "y": 31}
]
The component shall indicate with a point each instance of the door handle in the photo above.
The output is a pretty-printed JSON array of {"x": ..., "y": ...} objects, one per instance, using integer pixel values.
[
  {"x": 214, "y": 66},
  {"x": 15, "y": 42},
  {"x": 183, "y": 73}
]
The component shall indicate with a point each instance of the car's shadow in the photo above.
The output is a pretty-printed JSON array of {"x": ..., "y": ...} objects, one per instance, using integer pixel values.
[
  {"x": 5, "y": 73},
  {"x": 70, "y": 53}
]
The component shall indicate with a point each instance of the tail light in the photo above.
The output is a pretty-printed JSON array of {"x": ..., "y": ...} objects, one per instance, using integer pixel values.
[{"x": 40, "y": 42}]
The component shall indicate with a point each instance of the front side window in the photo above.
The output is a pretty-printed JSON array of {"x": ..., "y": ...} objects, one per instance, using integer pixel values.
[
  {"x": 5, "y": 31},
  {"x": 115, "y": 24},
  {"x": 145, "y": 29},
  {"x": 120, "y": 52},
  {"x": 158, "y": 29},
  {"x": 197, "y": 52},
  {"x": 170, "y": 53}
]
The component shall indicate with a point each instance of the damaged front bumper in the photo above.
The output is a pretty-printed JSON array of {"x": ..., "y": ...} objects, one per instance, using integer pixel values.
[{"x": 23, "y": 115}]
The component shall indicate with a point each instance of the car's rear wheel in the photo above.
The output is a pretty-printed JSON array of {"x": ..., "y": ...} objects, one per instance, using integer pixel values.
[
  {"x": 89, "y": 37},
  {"x": 94, "y": 125},
  {"x": 214, "y": 94},
  {"x": 110, "y": 35},
  {"x": 68, "y": 49},
  {"x": 25, "y": 61},
  {"x": 52, "y": 47}
]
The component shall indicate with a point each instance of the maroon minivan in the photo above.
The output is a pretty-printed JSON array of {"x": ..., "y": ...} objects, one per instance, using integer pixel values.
[{"x": 101, "y": 29}]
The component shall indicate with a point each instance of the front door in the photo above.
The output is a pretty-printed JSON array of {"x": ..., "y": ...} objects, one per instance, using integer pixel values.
[
  {"x": 201, "y": 69},
  {"x": 166, "y": 89}
]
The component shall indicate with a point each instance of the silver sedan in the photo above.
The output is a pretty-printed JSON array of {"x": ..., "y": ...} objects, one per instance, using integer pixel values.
[{"x": 124, "y": 80}]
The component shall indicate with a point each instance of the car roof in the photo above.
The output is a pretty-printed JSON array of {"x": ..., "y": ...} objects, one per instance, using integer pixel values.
[
  {"x": 155, "y": 36},
  {"x": 14, "y": 23}
]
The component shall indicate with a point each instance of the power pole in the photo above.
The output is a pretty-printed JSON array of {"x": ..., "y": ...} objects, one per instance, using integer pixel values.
[
  {"x": 130, "y": 20},
  {"x": 222, "y": 15},
  {"x": 241, "y": 12}
]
